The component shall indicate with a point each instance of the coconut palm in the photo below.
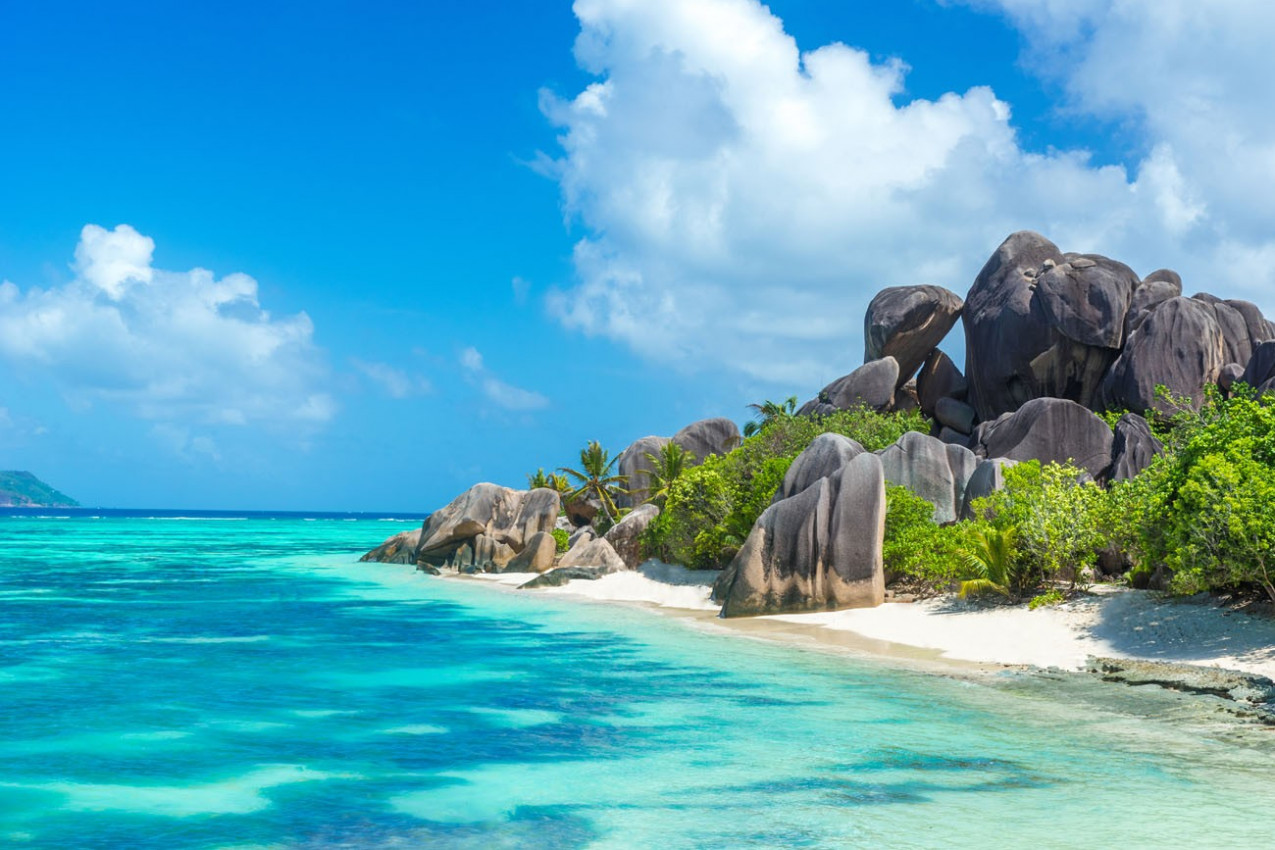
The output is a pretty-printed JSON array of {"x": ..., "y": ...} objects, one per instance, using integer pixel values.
[
  {"x": 595, "y": 480},
  {"x": 665, "y": 467},
  {"x": 993, "y": 559},
  {"x": 770, "y": 411}
]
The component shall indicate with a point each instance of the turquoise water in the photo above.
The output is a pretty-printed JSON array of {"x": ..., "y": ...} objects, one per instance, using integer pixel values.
[{"x": 215, "y": 684}]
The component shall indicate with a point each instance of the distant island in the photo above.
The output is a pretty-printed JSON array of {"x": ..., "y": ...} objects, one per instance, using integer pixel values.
[{"x": 21, "y": 489}]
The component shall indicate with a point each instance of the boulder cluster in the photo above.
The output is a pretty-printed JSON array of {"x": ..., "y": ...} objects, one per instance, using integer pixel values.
[{"x": 1051, "y": 340}]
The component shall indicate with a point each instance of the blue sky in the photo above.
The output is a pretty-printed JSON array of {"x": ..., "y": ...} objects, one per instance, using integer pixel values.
[{"x": 453, "y": 243}]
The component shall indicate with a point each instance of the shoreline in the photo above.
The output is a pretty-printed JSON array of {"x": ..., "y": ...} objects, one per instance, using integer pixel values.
[{"x": 951, "y": 637}]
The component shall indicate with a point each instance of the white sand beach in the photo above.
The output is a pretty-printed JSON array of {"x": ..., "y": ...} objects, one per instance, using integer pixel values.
[{"x": 1108, "y": 622}]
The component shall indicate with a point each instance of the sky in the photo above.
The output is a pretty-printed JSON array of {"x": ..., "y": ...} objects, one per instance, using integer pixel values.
[{"x": 359, "y": 256}]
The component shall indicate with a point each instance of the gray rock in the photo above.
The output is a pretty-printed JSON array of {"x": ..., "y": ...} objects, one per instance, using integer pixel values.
[
  {"x": 956, "y": 415},
  {"x": 1236, "y": 345},
  {"x": 1191, "y": 678},
  {"x": 872, "y": 385},
  {"x": 1133, "y": 448},
  {"x": 817, "y": 551},
  {"x": 905, "y": 398},
  {"x": 507, "y": 516},
  {"x": 1230, "y": 373},
  {"x": 583, "y": 534},
  {"x": 399, "y": 549},
  {"x": 924, "y": 465},
  {"x": 560, "y": 576},
  {"x": 1051, "y": 430},
  {"x": 825, "y": 456},
  {"x": 907, "y": 323},
  {"x": 536, "y": 557},
  {"x": 954, "y": 438},
  {"x": 1179, "y": 345},
  {"x": 708, "y": 437},
  {"x": 1260, "y": 329},
  {"x": 1260, "y": 371},
  {"x": 594, "y": 553},
  {"x": 636, "y": 467},
  {"x": 987, "y": 478},
  {"x": 1039, "y": 324},
  {"x": 625, "y": 535},
  {"x": 939, "y": 378},
  {"x": 1158, "y": 287},
  {"x": 582, "y": 511}
]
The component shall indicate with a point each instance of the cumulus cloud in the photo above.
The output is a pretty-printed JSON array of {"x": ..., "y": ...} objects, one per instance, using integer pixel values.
[
  {"x": 168, "y": 345},
  {"x": 743, "y": 200},
  {"x": 497, "y": 391}
]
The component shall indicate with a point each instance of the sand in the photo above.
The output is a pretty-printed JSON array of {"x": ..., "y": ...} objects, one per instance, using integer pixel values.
[{"x": 1109, "y": 621}]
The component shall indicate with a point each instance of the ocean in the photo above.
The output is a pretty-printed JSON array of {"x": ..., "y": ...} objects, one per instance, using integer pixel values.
[{"x": 241, "y": 681}]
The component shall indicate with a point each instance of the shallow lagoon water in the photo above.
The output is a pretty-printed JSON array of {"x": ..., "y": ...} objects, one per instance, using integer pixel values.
[{"x": 187, "y": 683}]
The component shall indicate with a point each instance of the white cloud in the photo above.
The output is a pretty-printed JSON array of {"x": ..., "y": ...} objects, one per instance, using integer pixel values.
[
  {"x": 168, "y": 345},
  {"x": 497, "y": 391},
  {"x": 396, "y": 383},
  {"x": 743, "y": 200}
]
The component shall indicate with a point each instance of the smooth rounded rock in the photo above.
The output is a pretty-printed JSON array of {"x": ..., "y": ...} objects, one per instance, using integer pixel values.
[
  {"x": 1050, "y": 430},
  {"x": 635, "y": 466},
  {"x": 939, "y": 378},
  {"x": 1179, "y": 346},
  {"x": 625, "y": 535},
  {"x": 825, "y": 456},
  {"x": 907, "y": 323},
  {"x": 1133, "y": 448},
  {"x": 956, "y": 415}
]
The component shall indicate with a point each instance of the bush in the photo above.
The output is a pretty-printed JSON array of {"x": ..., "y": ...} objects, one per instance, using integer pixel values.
[
  {"x": 1049, "y": 597},
  {"x": 561, "y": 538},
  {"x": 915, "y": 547}
]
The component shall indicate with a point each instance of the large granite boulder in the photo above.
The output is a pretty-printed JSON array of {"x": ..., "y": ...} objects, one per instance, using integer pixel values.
[
  {"x": 939, "y": 378},
  {"x": 625, "y": 535},
  {"x": 931, "y": 469},
  {"x": 825, "y": 456},
  {"x": 1042, "y": 324},
  {"x": 1179, "y": 345},
  {"x": 536, "y": 557},
  {"x": 1156, "y": 288},
  {"x": 1237, "y": 346},
  {"x": 988, "y": 477},
  {"x": 817, "y": 551},
  {"x": 399, "y": 549},
  {"x": 636, "y": 468},
  {"x": 708, "y": 437},
  {"x": 1051, "y": 430},
  {"x": 1260, "y": 329},
  {"x": 479, "y": 554},
  {"x": 907, "y": 323},
  {"x": 1259, "y": 373},
  {"x": 582, "y": 511},
  {"x": 1133, "y": 448},
  {"x": 593, "y": 553},
  {"x": 955, "y": 414},
  {"x": 506, "y": 516},
  {"x": 872, "y": 385}
]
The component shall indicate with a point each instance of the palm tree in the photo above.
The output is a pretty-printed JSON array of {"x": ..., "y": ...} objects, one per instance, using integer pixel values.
[
  {"x": 538, "y": 479},
  {"x": 594, "y": 479},
  {"x": 770, "y": 411},
  {"x": 992, "y": 559},
  {"x": 665, "y": 467}
]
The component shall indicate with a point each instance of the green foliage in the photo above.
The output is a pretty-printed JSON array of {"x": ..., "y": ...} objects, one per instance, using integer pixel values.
[
  {"x": 1207, "y": 505},
  {"x": 995, "y": 562},
  {"x": 595, "y": 480},
  {"x": 561, "y": 539},
  {"x": 1049, "y": 597},
  {"x": 666, "y": 466},
  {"x": 551, "y": 481},
  {"x": 915, "y": 547},
  {"x": 710, "y": 509},
  {"x": 1054, "y": 512},
  {"x": 770, "y": 412}
]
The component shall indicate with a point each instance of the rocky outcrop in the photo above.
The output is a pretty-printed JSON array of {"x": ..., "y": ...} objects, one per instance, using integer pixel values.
[
  {"x": 625, "y": 535},
  {"x": 593, "y": 553},
  {"x": 825, "y": 456},
  {"x": 506, "y": 516},
  {"x": 819, "y": 550},
  {"x": 988, "y": 477},
  {"x": 561, "y": 575},
  {"x": 708, "y": 437},
  {"x": 1041, "y": 324},
  {"x": 1156, "y": 288},
  {"x": 1179, "y": 345},
  {"x": 939, "y": 378},
  {"x": 931, "y": 469},
  {"x": 907, "y": 323},
  {"x": 635, "y": 466},
  {"x": 1133, "y": 448},
  {"x": 1259, "y": 373},
  {"x": 536, "y": 557},
  {"x": 1051, "y": 430},
  {"x": 1250, "y": 688},
  {"x": 872, "y": 386},
  {"x": 399, "y": 549},
  {"x": 956, "y": 415}
]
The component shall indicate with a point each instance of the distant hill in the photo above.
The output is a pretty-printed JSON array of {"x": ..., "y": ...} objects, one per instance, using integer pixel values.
[{"x": 23, "y": 490}]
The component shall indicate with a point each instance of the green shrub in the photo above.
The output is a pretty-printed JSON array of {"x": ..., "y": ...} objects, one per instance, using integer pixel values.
[
  {"x": 918, "y": 549},
  {"x": 1049, "y": 597},
  {"x": 561, "y": 538}
]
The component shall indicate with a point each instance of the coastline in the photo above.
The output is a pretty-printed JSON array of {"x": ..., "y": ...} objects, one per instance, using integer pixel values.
[{"x": 953, "y": 637}]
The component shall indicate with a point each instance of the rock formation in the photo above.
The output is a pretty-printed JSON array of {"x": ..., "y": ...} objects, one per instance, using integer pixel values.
[
  {"x": 825, "y": 456},
  {"x": 931, "y": 469},
  {"x": 1051, "y": 430},
  {"x": 1179, "y": 345},
  {"x": 625, "y": 535},
  {"x": 818, "y": 550},
  {"x": 593, "y": 553},
  {"x": 939, "y": 378},
  {"x": 906, "y": 323},
  {"x": 1133, "y": 448},
  {"x": 872, "y": 385}
]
